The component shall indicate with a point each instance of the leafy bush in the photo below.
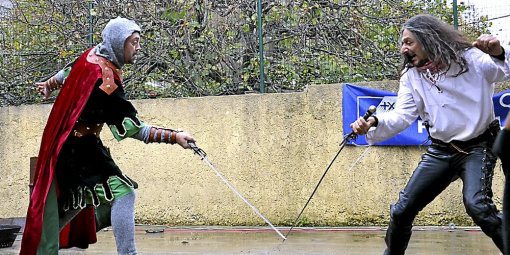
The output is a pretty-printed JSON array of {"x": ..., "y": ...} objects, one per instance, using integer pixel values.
[{"x": 200, "y": 47}]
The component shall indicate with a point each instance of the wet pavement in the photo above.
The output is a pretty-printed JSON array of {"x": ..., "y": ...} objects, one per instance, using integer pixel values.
[{"x": 236, "y": 240}]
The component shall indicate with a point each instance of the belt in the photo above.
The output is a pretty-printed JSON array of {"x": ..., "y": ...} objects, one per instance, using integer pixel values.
[
  {"x": 83, "y": 129},
  {"x": 459, "y": 146}
]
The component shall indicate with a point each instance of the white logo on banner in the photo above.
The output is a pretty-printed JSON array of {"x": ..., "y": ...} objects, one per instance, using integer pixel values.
[
  {"x": 502, "y": 98},
  {"x": 387, "y": 104}
]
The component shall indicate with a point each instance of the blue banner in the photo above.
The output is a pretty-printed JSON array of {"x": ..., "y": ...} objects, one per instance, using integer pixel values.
[{"x": 356, "y": 100}]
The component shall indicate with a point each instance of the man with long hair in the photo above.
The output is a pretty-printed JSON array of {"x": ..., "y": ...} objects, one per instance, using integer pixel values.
[{"x": 449, "y": 83}]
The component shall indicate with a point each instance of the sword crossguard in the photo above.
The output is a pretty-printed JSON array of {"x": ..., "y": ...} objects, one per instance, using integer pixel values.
[
  {"x": 350, "y": 137},
  {"x": 197, "y": 150},
  {"x": 353, "y": 136}
]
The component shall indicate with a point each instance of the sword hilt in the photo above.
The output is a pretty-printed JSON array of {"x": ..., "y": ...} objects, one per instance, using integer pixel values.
[
  {"x": 197, "y": 150},
  {"x": 353, "y": 136}
]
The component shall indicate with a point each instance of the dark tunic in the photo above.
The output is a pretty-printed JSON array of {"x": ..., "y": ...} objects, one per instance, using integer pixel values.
[{"x": 85, "y": 162}]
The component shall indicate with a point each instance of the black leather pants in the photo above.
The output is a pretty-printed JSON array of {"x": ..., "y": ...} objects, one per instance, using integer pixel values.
[{"x": 438, "y": 167}]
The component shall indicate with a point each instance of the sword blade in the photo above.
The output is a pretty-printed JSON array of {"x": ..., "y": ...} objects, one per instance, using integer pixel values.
[
  {"x": 342, "y": 145},
  {"x": 206, "y": 160}
]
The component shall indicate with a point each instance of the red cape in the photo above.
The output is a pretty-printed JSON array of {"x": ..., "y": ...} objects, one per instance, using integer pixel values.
[{"x": 64, "y": 114}]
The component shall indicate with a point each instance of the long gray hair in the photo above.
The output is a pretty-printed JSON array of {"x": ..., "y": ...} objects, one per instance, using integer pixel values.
[{"x": 443, "y": 44}]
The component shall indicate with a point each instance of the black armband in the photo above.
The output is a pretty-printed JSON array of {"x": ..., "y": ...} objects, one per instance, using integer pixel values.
[
  {"x": 501, "y": 56},
  {"x": 376, "y": 122}
]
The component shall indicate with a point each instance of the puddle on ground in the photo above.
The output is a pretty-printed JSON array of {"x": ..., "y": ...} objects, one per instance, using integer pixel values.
[{"x": 302, "y": 241}]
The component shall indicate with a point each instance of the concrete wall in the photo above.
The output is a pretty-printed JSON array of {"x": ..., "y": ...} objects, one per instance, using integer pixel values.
[{"x": 273, "y": 148}]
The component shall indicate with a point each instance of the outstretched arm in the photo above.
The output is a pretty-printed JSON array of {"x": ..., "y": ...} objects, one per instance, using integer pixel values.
[
  {"x": 151, "y": 134},
  {"x": 53, "y": 83},
  {"x": 46, "y": 87}
]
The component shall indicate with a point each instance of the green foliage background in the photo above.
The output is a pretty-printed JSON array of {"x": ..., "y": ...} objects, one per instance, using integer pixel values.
[{"x": 201, "y": 47}]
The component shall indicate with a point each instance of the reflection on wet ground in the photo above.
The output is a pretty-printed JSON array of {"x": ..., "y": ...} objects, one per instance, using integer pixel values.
[{"x": 348, "y": 241}]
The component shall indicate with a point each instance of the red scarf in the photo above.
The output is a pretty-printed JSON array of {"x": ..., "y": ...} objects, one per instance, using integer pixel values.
[{"x": 432, "y": 67}]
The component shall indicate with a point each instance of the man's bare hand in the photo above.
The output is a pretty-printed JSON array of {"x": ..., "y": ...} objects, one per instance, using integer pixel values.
[
  {"x": 43, "y": 89},
  {"x": 361, "y": 126},
  {"x": 182, "y": 139},
  {"x": 489, "y": 44}
]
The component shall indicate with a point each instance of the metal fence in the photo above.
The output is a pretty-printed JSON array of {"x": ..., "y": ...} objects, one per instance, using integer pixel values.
[
  {"x": 39, "y": 37},
  {"x": 208, "y": 47},
  {"x": 36, "y": 40}
]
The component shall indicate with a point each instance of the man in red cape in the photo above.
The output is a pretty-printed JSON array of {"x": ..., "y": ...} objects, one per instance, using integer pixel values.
[
  {"x": 78, "y": 188},
  {"x": 64, "y": 114}
]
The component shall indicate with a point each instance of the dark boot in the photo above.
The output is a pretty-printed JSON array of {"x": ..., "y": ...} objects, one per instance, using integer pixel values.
[
  {"x": 497, "y": 238},
  {"x": 397, "y": 238}
]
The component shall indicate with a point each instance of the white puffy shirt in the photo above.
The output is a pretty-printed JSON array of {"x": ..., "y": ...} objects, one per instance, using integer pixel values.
[{"x": 462, "y": 111}]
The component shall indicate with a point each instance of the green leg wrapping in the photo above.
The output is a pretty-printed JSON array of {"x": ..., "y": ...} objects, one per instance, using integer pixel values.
[{"x": 50, "y": 233}]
